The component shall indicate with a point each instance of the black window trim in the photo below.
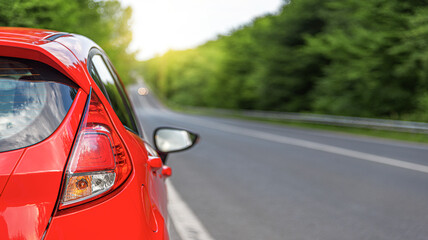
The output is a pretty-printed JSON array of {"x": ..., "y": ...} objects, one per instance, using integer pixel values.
[{"x": 95, "y": 51}]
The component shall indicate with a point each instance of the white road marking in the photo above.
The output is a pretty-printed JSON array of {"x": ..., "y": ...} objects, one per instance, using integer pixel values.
[
  {"x": 362, "y": 138},
  {"x": 185, "y": 222},
  {"x": 369, "y": 139},
  {"x": 312, "y": 145}
]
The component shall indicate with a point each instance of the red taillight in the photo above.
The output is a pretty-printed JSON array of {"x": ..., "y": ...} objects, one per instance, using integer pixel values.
[
  {"x": 93, "y": 153},
  {"x": 99, "y": 162}
]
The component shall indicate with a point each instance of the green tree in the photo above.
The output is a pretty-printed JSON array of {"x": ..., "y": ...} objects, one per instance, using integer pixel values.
[
  {"x": 360, "y": 79},
  {"x": 346, "y": 57},
  {"x": 105, "y": 22}
]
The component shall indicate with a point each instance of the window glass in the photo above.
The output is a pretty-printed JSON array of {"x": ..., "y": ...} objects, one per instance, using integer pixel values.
[
  {"x": 34, "y": 99},
  {"x": 100, "y": 72}
]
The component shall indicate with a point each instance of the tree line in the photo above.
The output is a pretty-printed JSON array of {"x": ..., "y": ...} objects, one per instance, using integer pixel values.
[
  {"x": 343, "y": 57},
  {"x": 105, "y": 22}
]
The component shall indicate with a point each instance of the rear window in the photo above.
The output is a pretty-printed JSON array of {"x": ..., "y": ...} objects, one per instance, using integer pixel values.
[{"x": 34, "y": 99}]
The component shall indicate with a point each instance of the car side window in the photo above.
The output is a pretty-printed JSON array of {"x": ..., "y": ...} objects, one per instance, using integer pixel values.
[{"x": 113, "y": 90}]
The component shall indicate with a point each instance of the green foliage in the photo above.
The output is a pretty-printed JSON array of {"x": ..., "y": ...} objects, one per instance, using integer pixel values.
[
  {"x": 347, "y": 57},
  {"x": 105, "y": 22},
  {"x": 359, "y": 79},
  {"x": 196, "y": 85}
]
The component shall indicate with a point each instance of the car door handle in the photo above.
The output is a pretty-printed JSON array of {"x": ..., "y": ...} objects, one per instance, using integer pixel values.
[{"x": 155, "y": 163}]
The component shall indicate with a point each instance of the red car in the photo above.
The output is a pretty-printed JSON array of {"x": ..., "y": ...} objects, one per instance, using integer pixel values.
[{"x": 74, "y": 163}]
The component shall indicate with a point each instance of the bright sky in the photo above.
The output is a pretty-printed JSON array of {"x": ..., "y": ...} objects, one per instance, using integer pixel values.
[{"x": 160, "y": 25}]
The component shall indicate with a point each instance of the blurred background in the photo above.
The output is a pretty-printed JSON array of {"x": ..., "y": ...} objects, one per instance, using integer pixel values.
[
  {"x": 348, "y": 57},
  {"x": 311, "y": 75}
]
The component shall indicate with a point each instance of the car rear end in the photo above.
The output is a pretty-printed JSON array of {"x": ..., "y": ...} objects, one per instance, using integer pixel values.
[{"x": 68, "y": 168}]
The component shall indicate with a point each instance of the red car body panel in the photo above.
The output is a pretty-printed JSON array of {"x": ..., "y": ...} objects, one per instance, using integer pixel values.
[
  {"x": 8, "y": 162},
  {"x": 32, "y": 189},
  {"x": 31, "y": 178}
]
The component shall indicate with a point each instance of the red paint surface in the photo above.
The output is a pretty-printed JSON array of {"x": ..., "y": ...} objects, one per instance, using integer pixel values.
[
  {"x": 8, "y": 161},
  {"x": 166, "y": 171}
]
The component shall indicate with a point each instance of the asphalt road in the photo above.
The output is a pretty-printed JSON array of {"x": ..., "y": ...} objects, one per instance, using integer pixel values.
[{"x": 248, "y": 180}]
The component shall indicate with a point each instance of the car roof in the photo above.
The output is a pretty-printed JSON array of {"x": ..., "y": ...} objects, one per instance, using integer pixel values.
[
  {"x": 64, "y": 51},
  {"x": 27, "y": 35}
]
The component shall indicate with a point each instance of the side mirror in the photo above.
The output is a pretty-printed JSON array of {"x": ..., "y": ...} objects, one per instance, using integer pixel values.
[{"x": 169, "y": 140}]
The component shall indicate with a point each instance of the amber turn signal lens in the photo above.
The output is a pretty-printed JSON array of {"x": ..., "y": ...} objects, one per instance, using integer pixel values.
[
  {"x": 82, "y": 184},
  {"x": 78, "y": 186}
]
